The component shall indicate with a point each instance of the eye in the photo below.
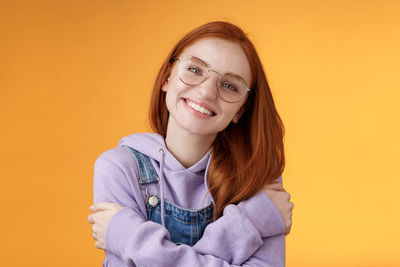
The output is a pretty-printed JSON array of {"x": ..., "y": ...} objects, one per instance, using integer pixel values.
[
  {"x": 229, "y": 86},
  {"x": 195, "y": 70}
]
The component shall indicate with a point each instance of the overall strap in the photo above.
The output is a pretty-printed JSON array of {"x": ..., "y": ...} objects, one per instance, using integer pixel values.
[{"x": 147, "y": 173}]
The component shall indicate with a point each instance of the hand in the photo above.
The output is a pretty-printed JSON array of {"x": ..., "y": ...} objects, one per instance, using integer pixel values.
[
  {"x": 281, "y": 199},
  {"x": 100, "y": 218}
]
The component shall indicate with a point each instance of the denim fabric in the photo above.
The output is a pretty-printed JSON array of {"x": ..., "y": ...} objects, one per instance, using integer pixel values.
[{"x": 185, "y": 226}]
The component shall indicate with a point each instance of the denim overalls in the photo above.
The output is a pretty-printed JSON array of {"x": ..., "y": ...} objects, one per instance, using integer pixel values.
[{"x": 185, "y": 226}]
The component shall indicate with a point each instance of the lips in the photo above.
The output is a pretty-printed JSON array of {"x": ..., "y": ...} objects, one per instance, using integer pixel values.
[{"x": 200, "y": 108}]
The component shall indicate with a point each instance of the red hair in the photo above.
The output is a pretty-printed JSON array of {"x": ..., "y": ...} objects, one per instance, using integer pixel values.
[{"x": 248, "y": 154}]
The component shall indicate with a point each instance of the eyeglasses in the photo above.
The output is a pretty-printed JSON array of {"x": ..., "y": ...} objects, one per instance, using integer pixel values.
[{"x": 193, "y": 71}]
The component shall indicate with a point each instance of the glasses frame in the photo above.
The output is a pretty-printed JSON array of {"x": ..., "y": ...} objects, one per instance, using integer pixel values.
[{"x": 218, "y": 82}]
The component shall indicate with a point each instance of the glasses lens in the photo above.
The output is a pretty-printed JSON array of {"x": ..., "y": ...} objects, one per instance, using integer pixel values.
[
  {"x": 231, "y": 88},
  {"x": 192, "y": 71}
]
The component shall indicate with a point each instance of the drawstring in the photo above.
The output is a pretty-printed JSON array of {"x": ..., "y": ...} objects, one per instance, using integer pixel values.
[
  {"x": 206, "y": 186},
  {"x": 161, "y": 150}
]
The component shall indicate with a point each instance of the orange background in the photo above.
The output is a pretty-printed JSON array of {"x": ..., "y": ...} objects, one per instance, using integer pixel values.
[{"x": 75, "y": 77}]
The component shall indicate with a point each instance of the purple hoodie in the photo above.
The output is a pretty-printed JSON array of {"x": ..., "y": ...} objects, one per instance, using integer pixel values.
[{"x": 248, "y": 234}]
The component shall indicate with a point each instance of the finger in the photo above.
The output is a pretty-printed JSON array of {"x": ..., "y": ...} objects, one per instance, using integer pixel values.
[
  {"x": 274, "y": 186},
  {"x": 101, "y": 206},
  {"x": 94, "y": 236},
  {"x": 99, "y": 246},
  {"x": 287, "y": 232},
  {"x": 90, "y": 218},
  {"x": 289, "y": 227}
]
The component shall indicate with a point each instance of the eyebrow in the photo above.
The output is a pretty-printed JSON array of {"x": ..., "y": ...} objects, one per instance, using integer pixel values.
[
  {"x": 229, "y": 73},
  {"x": 205, "y": 63}
]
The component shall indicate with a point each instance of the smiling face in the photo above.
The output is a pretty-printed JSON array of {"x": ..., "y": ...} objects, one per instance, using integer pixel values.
[{"x": 199, "y": 109}]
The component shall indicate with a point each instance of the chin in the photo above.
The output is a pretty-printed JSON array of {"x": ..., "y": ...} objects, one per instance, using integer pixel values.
[
  {"x": 200, "y": 131},
  {"x": 196, "y": 129}
]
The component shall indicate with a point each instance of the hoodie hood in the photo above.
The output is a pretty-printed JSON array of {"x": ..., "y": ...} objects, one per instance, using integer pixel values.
[
  {"x": 187, "y": 187},
  {"x": 150, "y": 145}
]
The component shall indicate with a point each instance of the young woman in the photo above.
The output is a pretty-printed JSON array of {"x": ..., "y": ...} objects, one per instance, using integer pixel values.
[{"x": 204, "y": 190}]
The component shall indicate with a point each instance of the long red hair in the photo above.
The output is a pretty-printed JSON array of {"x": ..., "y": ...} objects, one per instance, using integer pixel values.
[{"x": 246, "y": 155}]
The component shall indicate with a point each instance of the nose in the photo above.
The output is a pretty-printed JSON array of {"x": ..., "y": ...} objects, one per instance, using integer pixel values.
[{"x": 208, "y": 88}]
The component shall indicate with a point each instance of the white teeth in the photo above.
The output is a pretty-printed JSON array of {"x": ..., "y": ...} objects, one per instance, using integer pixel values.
[{"x": 199, "y": 108}]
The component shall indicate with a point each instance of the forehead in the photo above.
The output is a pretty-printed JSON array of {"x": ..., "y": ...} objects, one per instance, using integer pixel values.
[{"x": 221, "y": 55}]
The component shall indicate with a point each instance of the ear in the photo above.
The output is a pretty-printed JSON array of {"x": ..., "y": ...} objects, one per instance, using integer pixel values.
[
  {"x": 238, "y": 115},
  {"x": 164, "y": 87},
  {"x": 236, "y": 118}
]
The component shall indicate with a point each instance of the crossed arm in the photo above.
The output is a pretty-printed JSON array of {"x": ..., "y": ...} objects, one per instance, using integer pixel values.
[{"x": 235, "y": 239}]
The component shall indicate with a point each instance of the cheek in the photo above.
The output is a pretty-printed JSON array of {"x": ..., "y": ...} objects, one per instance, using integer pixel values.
[
  {"x": 175, "y": 87},
  {"x": 173, "y": 94},
  {"x": 232, "y": 109}
]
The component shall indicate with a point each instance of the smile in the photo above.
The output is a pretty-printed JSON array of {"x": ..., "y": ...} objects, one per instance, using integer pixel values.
[{"x": 199, "y": 108}]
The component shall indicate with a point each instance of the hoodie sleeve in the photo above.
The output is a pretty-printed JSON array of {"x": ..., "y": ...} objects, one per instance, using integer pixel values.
[
  {"x": 145, "y": 243},
  {"x": 241, "y": 226},
  {"x": 235, "y": 238}
]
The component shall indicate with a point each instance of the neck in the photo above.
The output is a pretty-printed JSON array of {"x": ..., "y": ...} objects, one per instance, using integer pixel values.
[{"x": 188, "y": 148}]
